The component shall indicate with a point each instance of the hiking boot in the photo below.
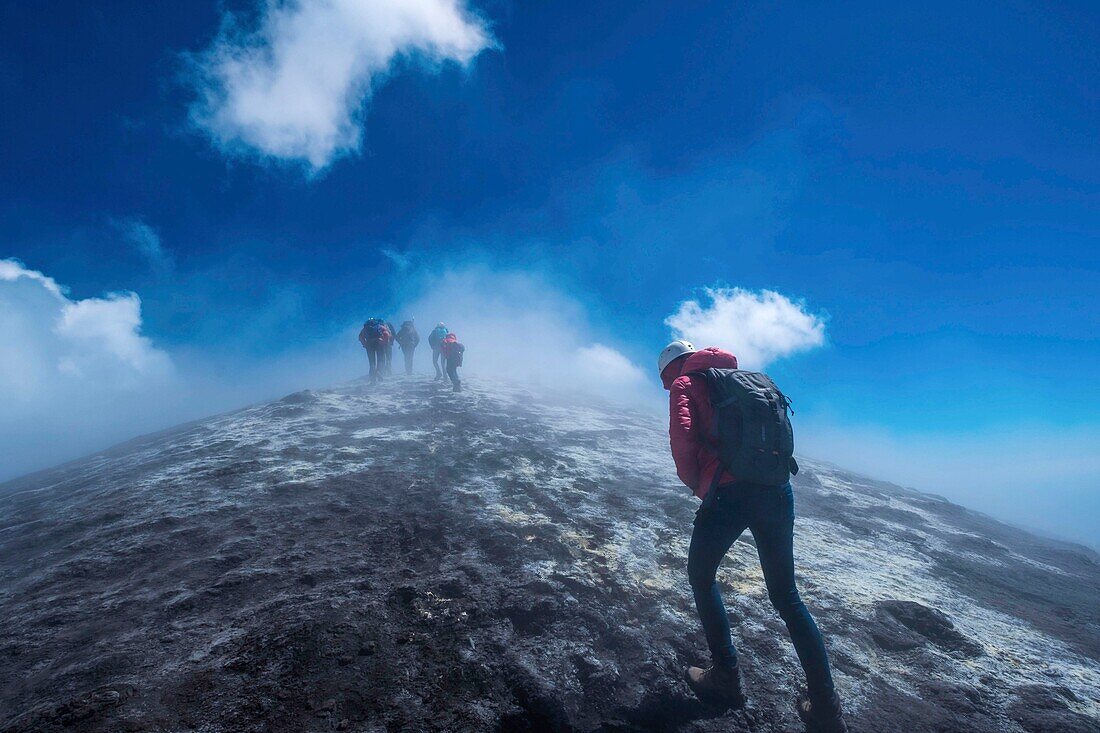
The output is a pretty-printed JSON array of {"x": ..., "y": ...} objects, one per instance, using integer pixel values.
[
  {"x": 717, "y": 686},
  {"x": 829, "y": 720}
]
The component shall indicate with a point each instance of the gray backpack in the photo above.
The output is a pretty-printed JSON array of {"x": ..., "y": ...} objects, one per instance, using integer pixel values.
[{"x": 755, "y": 440}]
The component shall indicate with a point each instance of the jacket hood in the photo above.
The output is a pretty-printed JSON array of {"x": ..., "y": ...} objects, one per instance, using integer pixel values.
[{"x": 709, "y": 358}]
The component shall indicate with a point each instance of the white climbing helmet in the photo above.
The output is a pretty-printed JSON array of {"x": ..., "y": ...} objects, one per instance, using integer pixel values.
[{"x": 672, "y": 352}]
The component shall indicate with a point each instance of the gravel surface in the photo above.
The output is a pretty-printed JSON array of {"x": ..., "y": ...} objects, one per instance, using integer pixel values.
[{"x": 407, "y": 558}]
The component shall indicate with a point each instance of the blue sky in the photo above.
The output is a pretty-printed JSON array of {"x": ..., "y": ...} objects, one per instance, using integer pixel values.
[{"x": 924, "y": 180}]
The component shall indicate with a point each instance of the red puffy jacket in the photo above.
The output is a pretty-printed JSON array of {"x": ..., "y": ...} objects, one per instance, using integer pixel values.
[
  {"x": 691, "y": 428},
  {"x": 382, "y": 335},
  {"x": 452, "y": 350}
]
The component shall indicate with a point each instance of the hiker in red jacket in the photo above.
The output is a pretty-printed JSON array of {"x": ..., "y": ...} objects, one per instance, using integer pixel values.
[
  {"x": 729, "y": 507},
  {"x": 375, "y": 337},
  {"x": 451, "y": 351}
]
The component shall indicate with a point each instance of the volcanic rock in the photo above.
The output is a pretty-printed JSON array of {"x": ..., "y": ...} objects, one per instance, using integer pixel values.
[
  {"x": 1039, "y": 709},
  {"x": 407, "y": 558},
  {"x": 907, "y": 624}
]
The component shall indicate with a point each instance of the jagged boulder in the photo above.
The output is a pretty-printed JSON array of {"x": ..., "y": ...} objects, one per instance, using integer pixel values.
[
  {"x": 903, "y": 625},
  {"x": 1041, "y": 709}
]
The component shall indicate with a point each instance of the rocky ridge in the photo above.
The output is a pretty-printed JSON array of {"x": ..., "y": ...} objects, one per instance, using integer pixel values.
[{"x": 412, "y": 559}]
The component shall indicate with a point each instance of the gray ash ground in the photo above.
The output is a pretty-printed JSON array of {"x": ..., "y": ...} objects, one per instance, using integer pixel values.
[{"x": 412, "y": 559}]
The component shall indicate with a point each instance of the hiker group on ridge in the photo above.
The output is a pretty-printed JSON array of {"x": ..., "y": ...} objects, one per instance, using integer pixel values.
[
  {"x": 733, "y": 446},
  {"x": 378, "y": 336}
]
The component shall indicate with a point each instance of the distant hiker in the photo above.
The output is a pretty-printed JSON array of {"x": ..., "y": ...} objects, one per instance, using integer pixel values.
[
  {"x": 452, "y": 352},
  {"x": 435, "y": 340},
  {"x": 408, "y": 339},
  {"x": 733, "y": 446},
  {"x": 389, "y": 348},
  {"x": 374, "y": 337}
]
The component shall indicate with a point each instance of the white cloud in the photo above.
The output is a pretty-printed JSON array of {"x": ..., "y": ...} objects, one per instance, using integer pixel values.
[
  {"x": 519, "y": 325},
  {"x": 147, "y": 242},
  {"x": 68, "y": 367},
  {"x": 51, "y": 339},
  {"x": 759, "y": 327},
  {"x": 106, "y": 331},
  {"x": 11, "y": 270},
  {"x": 295, "y": 87},
  {"x": 598, "y": 362}
]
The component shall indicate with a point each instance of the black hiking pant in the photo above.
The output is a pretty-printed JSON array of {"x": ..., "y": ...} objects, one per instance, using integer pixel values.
[
  {"x": 436, "y": 356},
  {"x": 768, "y": 511},
  {"x": 388, "y": 353},
  {"x": 452, "y": 372},
  {"x": 376, "y": 357},
  {"x": 408, "y": 359}
]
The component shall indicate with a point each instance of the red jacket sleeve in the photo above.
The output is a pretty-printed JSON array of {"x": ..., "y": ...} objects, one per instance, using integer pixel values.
[{"x": 681, "y": 436}]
